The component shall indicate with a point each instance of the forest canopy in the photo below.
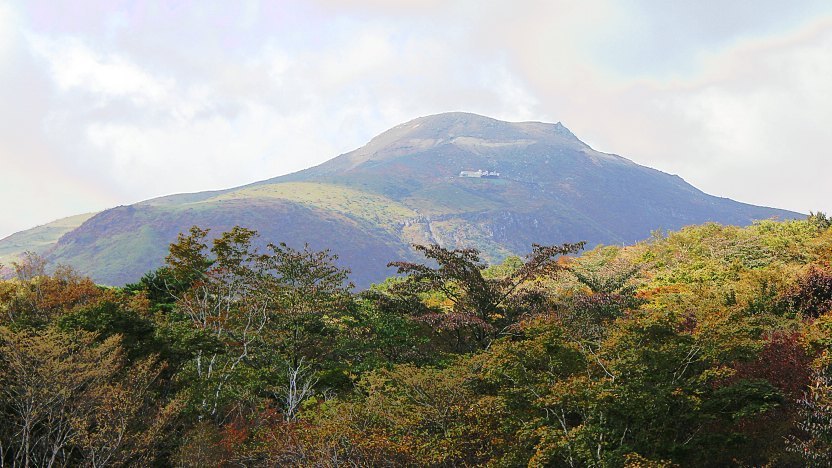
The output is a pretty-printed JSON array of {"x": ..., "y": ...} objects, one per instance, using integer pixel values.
[{"x": 709, "y": 346}]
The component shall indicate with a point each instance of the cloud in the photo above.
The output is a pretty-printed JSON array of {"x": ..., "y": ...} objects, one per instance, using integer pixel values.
[
  {"x": 144, "y": 99},
  {"x": 7, "y": 28},
  {"x": 139, "y": 131},
  {"x": 750, "y": 125},
  {"x": 75, "y": 66},
  {"x": 36, "y": 185}
]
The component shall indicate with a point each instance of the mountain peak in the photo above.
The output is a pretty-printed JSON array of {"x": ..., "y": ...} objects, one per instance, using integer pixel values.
[
  {"x": 454, "y": 119},
  {"x": 445, "y": 125},
  {"x": 454, "y": 124},
  {"x": 456, "y": 128}
]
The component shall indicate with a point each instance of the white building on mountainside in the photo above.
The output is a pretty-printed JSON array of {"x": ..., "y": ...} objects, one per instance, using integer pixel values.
[{"x": 480, "y": 174}]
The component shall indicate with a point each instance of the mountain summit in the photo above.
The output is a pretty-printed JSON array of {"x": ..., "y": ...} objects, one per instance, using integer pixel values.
[
  {"x": 457, "y": 179},
  {"x": 470, "y": 131}
]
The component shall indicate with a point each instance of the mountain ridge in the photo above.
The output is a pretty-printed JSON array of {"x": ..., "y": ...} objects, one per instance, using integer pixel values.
[{"x": 404, "y": 187}]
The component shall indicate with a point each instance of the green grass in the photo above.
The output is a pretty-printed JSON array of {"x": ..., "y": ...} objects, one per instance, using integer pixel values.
[
  {"x": 372, "y": 208},
  {"x": 38, "y": 239},
  {"x": 451, "y": 198}
]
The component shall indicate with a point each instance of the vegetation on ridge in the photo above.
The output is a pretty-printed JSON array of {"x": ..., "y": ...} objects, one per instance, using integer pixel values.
[{"x": 709, "y": 346}]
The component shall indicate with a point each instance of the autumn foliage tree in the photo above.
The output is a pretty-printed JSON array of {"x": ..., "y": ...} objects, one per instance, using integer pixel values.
[
  {"x": 812, "y": 293},
  {"x": 227, "y": 303},
  {"x": 35, "y": 298},
  {"x": 703, "y": 347},
  {"x": 66, "y": 400},
  {"x": 479, "y": 305}
]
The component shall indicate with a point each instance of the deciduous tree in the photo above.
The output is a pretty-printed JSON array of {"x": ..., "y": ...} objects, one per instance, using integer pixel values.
[{"x": 477, "y": 304}]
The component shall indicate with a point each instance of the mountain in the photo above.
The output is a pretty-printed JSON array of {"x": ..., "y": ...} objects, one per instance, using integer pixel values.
[
  {"x": 405, "y": 187},
  {"x": 38, "y": 239}
]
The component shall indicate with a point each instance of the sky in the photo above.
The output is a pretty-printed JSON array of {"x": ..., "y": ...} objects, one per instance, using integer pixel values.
[{"x": 106, "y": 103}]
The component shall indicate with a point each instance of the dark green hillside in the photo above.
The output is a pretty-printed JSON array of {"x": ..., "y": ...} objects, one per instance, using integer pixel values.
[
  {"x": 403, "y": 187},
  {"x": 118, "y": 244}
]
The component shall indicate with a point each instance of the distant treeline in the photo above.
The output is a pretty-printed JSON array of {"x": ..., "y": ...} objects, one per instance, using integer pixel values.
[{"x": 704, "y": 347}]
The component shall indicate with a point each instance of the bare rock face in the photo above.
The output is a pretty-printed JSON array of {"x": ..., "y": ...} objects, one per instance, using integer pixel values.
[{"x": 543, "y": 185}]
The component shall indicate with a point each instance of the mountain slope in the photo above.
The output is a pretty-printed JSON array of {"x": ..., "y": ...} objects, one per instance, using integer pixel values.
[
  {"x": 38, "y": 239},
  {"x": 404, "y": 187}
]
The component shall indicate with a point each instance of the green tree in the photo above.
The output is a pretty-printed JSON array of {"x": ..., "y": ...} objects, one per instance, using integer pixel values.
[
  {"x": 482, "y": 306},
  {"x": 262, "y": 315},
  {"x": 814, "y": 444}
]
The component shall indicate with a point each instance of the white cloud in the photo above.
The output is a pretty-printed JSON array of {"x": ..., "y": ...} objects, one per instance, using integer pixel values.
[
  {"x": 273, "y": 112},
  {"x": 752, "y": 125},
  {"x": 75, "y": 66},
  {"x": 7, "y": 26},
  {"x": 140, "y": 101}
]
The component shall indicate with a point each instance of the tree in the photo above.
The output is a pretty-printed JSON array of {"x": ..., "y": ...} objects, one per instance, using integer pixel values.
[
  {"x": 260, "y": 311},
  {"x": 228, "y": 302},
  {"x": 478, "y": 304},
  {"x": 820, "y": 219},
  {"x": 814, "y": 445},
  {"x": 306, "y": 285},
  {"x": 35, "y": 299},
  {"x": 67, "y": 400},
  {"x": 308, "y": 289},
  {"x": 30, "y": 266},
  {"x": 435, "y": 416},
  {"x": 607, "y": 292},
  {"x": 812, "y": 294}
]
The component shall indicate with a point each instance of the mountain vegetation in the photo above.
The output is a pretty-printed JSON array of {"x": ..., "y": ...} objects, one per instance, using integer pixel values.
[
  {"x": 707, "y": 346},
  {"x": 402, "y": 188}
]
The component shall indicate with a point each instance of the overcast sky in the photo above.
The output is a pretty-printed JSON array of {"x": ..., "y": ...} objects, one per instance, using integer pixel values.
[{"x": 111, "y": 102}]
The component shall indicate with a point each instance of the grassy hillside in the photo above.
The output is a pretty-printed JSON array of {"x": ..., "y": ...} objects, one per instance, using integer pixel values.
[
  {"x": 38, "y": 239},
  {"x": 118, "y": 246},
  {"x": 368, "y": 207}
]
